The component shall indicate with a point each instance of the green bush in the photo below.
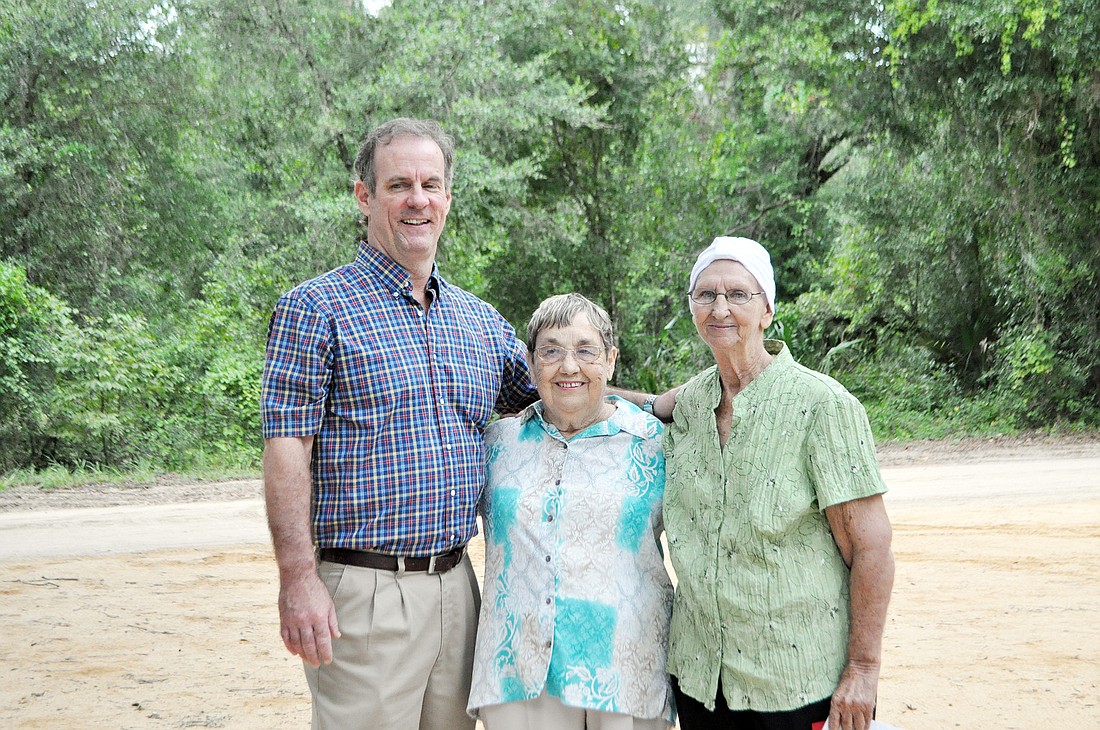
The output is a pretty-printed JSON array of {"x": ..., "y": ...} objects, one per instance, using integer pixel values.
[
  {"x": 1039, "y": 383},
  {"x": 33, "y": 326}
]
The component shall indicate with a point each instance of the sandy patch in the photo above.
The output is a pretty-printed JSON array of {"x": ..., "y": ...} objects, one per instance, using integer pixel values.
[{"x": 995, "y": 620}]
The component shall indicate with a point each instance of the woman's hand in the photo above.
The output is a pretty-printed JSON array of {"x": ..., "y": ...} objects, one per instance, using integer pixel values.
[{"x": 853, "y": 704}]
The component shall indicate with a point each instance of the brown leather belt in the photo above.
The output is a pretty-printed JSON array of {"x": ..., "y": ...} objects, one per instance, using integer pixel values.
[{"x": 379, "y": 561}]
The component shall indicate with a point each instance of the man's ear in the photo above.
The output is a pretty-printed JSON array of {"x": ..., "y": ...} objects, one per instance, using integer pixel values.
[{"x": 362, "y": 196}]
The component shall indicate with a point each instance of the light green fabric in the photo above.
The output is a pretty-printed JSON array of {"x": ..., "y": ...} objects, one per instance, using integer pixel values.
[{"x": 762, "y": 598}]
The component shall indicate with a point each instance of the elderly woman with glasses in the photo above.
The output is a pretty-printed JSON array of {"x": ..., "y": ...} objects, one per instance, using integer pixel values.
[
  {"x": 575, "y": 614},
  {"x": 776, "y": 526}
]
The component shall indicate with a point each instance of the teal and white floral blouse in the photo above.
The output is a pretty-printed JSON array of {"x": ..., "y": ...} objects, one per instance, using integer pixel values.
[{"x": 576, "y": 596}]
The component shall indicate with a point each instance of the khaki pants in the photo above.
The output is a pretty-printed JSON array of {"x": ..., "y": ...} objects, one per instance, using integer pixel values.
[
  {"x": 405, "y": 654},
  {"x": 549, "y": 713}
]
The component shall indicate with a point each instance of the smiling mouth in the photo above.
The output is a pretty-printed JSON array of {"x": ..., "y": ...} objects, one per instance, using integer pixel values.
[
  {"x": 415, "y": 221},
  {"x": 571, "y": 385}
]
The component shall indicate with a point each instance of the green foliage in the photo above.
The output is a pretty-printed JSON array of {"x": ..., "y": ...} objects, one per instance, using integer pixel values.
[
  {"x": 117, "y": 393},
  {"x": 1038, "y": 382},
  {"x": 93, "y": 203},
  {"x": 32, "y": 325},
  {"x": 926, "y": 176}
]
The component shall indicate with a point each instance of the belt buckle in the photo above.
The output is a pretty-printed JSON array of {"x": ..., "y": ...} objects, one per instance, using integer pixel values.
[{"x": 456, "y": 555}]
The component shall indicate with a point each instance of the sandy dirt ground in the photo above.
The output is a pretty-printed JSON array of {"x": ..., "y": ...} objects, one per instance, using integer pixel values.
[{"x": 155, "y": 607}]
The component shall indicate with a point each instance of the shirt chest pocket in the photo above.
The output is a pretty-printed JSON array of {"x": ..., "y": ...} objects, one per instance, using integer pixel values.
[{"x": 779, "y": 504}]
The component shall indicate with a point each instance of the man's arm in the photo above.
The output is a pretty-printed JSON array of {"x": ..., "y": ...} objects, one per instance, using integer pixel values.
[
  {"x": 307, "y": 614},
  {"x": 862, "y": 531},
  {"x": 662, "y": 406}
]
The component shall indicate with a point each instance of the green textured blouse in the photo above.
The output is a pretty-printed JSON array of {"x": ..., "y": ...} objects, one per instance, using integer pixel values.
[{"x": 762, "y": 600}]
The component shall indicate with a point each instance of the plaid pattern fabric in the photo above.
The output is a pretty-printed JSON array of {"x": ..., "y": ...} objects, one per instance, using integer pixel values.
[{"x": 398, "y": 400}]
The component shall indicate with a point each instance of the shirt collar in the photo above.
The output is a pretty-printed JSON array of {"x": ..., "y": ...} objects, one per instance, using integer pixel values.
[
  {"x": 782, "y": 358},
  {"x": 627, "y": 417},
  {"x": 393, "y": 277}
]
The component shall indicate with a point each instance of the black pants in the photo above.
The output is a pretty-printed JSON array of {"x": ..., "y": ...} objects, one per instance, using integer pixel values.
[{"x": 694, "y": 716}]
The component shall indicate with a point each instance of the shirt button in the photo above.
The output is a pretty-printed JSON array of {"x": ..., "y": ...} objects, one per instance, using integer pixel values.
[
  {"x": 548, "y": 601},
  {"x": 548, "y": 645},
  {"x": 454, "y": 492},
  {"x": 548, "y": 558},
  {"x": 549, "y": 518}
]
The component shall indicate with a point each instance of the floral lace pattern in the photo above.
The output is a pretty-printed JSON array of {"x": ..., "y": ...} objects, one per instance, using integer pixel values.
[{"x": 576, "y": 596}]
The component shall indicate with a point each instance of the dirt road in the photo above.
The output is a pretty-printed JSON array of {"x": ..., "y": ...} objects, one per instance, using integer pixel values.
[{"x": 163, "y": 615}]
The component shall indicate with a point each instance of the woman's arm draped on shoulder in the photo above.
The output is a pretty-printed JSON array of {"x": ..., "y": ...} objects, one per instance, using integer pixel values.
[
  {"x": 863, "y": 534},
  {"x": 662, "y": 406}
]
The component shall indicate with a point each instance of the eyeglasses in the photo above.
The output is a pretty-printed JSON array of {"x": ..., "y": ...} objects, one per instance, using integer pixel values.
[
  {"x": 584, "y": 353},
  {"x": 733, "y": 296}
]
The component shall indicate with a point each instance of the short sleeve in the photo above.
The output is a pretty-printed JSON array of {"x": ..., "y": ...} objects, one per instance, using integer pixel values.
[
  {"x": 297, "y": 370},
  {"x": 516, "y": 389},
  {"x": 841, "y": 451}
]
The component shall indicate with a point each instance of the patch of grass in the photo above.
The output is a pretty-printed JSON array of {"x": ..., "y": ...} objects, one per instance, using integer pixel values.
[{"x": 56, "y": 476}]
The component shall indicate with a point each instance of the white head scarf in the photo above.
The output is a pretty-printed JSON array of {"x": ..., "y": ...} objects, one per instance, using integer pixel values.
[{"x": 746, "y": 252}]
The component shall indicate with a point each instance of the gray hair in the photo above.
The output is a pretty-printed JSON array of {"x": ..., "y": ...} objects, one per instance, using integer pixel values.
[
  {"x": 561, "y": 309},
  {"x": 383, "y": 134}
]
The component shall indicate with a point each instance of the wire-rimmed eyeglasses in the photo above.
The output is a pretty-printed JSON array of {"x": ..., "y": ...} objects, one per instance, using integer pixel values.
[
  {"x": 555, "y": 353},
  {"x": 733, "y": 296}
]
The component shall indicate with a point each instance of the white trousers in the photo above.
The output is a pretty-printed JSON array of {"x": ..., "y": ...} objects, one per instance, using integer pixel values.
[{"x": 549, "y": 713}]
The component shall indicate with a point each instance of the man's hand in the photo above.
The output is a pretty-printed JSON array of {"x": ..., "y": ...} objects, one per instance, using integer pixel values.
[
  {"x": 307, "y": 619},
  {"x": 854, "y": 700}
]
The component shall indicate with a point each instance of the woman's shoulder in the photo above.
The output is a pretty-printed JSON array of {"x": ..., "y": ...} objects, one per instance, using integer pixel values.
[
  {"x": 634, "y": 420},
  {"x": 512, "y": 427},
  {"x": 817, "y": 385},
  {"x": 700, "y": 388}
]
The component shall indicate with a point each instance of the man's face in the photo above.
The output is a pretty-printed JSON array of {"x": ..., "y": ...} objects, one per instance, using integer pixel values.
[{"x": 407, "y": 210}]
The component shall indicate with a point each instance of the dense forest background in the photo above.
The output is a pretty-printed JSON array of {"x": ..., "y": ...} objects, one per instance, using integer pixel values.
[{"x": 925, "y": 173}]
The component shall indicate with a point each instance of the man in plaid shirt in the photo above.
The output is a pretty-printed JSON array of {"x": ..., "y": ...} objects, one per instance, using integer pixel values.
[{"x": 379, "y": 381}]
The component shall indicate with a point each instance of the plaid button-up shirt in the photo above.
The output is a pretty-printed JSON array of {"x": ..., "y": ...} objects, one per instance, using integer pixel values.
[{"x": 397, "y": 398}]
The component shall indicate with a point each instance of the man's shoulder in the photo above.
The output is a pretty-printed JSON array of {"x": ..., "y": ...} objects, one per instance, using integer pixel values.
[
  {"x": 472, "y": 305},
  {"x": 325, "y": 289},
  {"x": 461, "y": 295}
]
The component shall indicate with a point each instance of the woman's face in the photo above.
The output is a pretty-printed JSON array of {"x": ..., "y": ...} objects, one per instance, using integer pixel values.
[
  {"x": 572, "y": 389},
  {"x": 725, "y": 326}
]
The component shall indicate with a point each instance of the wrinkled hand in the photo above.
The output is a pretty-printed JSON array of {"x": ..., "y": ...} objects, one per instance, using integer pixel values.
[
  {"x": 854, "y": 699},
  {"x": 308, "y": 619}
]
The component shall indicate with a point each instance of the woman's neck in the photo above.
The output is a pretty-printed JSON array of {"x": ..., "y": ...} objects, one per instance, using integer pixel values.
[
  {"x": 570, "y": 424},
  {"x": 738, "y": 369}
]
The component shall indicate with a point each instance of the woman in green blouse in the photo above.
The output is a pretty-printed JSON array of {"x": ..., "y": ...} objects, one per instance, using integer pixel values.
[{"x": 775, "y": 520}]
